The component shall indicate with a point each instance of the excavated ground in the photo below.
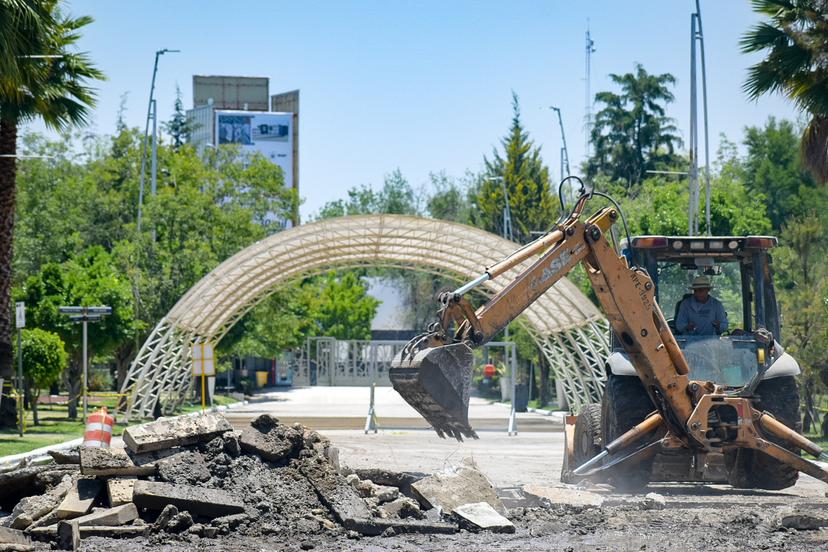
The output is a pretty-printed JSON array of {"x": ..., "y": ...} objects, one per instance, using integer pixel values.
[
  {"x": 558, "y": 529},
  {"x": 285, "y": 510}
]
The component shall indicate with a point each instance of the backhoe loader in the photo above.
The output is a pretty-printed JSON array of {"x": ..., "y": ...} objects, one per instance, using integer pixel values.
[{"x": 722, "y": 408}]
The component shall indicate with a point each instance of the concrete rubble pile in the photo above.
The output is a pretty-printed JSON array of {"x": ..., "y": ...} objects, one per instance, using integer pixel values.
[{"x": 193, "y": 477}]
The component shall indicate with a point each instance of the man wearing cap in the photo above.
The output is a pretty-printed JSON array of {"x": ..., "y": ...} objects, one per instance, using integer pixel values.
[{"x": 701, "y": 314}]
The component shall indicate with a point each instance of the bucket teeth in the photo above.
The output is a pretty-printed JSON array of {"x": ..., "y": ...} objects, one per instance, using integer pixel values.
[{"x": 436, "y": 381}]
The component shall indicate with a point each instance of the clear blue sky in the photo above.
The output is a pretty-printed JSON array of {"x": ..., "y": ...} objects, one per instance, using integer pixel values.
[{"x": 420, "y": 86}]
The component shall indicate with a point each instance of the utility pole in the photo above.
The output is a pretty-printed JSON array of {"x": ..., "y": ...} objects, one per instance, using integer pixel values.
[
  {"x": 590, "y": 48},
  {"x": 151, "y": 113},
  {"x": 696, "y": 35}
]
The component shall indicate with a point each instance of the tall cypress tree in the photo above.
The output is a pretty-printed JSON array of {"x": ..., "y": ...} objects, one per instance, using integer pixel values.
[{"x": 520, "y": 169}]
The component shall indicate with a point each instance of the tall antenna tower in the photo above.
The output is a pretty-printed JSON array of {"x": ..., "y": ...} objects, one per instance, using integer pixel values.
[{"x": 590, "y": 48}]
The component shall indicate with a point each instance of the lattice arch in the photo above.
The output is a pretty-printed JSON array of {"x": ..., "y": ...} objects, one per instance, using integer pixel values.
[{"x": 570, "y": 330}]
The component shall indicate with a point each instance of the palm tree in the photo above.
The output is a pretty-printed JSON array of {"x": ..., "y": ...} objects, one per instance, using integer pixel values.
[
  {"x": 51, "y": 86},
  {"x": 795, "y": 42}
]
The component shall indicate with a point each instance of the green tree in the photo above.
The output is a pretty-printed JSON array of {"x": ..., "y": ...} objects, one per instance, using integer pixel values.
[
  {"x": 395, "y": 197},
  {"x": 340, "y": 306},
  {"x": 794, "y": 39},
  {"x": 632, "y": 132},
  {"x": 87, "y": 280},
  {"x": 55, "y": 90},
  {"x": 178, "y": 127},
  {"x": 520, "y": 170},
  {"x": 772, "y": 168},
  {"x": 44, "y": 358}
]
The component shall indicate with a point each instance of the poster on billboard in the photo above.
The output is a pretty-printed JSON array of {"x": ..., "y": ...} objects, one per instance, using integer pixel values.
[{"x": 268, "y": 133}]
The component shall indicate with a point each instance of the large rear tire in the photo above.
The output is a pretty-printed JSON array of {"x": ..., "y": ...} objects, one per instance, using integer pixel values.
[
  {"x": 625, "y": 404},
  {"x": 752, "y": 469}
]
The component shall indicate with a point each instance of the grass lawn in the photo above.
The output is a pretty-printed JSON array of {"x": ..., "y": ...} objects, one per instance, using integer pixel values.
[{"x": 56, "y": 427}]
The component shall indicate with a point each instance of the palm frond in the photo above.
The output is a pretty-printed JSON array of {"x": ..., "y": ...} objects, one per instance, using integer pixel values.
[{"x": 814, "y": 148}]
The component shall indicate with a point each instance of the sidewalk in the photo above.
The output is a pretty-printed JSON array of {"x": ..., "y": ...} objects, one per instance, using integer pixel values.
[{"x": 347, "y": 408}]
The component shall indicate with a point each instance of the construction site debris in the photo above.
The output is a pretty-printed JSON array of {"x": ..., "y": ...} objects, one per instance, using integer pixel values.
[
  {"x": 119, "y": 462},
  {"x": 269, "y": 439},
  {"x": 403, "y": 507},
  {"x": 119, "y": 490},
  {"x": 795, "y": 518},
  {"x": 456, "y": 486},
  {"x": 380, "y": 476},
  {"x": 32, "y": 508},
  {"x": 68, "y": 535},
  {"x": 119, "y": 515},
  {"x": 654, "y": 501},
  {"x": 78, "y": 501},
  {"x": 187, "y": 467},
  {"x": 66, "y": 457},
  {"x": 166, "y": 433},
  {"x": 12, "y": 536},
  {"x": 29, "y": 480},
  {"x": 481, "y": 515},
  {"x": 564, "y": 496},
  {"x": 197, "y": 500}
]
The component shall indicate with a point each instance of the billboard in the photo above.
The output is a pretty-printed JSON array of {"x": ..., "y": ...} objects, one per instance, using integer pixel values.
[
  {"x": 246, "y": 93},
  {"x": 268, "y": 133}
]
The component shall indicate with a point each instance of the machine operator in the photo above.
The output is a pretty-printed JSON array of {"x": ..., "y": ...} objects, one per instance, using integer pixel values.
[{"x": 701, "y": 314}]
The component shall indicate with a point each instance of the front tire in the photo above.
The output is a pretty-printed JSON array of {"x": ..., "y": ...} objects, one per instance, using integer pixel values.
[{"x": 626, "y": 404}]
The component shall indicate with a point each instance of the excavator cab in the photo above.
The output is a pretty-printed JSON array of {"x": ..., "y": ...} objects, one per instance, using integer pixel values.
[{"x": 739, "y": 269}]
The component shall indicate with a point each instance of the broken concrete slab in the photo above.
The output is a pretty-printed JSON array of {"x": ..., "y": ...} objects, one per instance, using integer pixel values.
[
  {"x": 68, "y": 535},
  {"x": 68, "y": 456},
  {"x": 481, "y": 515},
  {"x": 120, "y": 462},
  {"x": 401, "y": 480},
  {"x": 402, "y": 507},
  {"x": 119, "y": 515},
  {"x": 270, "y": 440},
  {"x": 13, "y": 536},
  {"x": 166, "y": 433},
  {"x": 119, "y": 490},
  {"x": 126, "y": 531},
  {"x": 78, "y": 501},
  {"x": 564, "y": 496},
  {"x": 197, "y": 500},
  {"x": 454, "y": 487}
]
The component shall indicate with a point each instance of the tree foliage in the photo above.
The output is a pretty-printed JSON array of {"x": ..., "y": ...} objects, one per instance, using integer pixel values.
[
  {"x": 794, "y": 39},
  {"x": 55, "y": 89},
  {"x": 44, "y": 358},
  {"x": 519, "y": 170},
  {"x": 632, "y": 132}
]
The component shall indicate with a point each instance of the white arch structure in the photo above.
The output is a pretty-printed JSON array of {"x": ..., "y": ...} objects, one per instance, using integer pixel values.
[{"x": 570, "y": 330}]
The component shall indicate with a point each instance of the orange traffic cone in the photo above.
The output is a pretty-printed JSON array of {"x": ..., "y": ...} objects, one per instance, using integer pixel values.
[{"x": 98, "y": 429}]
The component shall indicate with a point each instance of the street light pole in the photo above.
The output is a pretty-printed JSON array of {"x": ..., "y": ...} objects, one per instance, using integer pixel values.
[
  {"x": 150, "y": 113},
  {"x": 85, "y": 315}
]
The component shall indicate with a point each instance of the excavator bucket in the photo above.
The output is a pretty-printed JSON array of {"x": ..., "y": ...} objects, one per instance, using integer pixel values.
[{"x": 436, "y": 381}]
